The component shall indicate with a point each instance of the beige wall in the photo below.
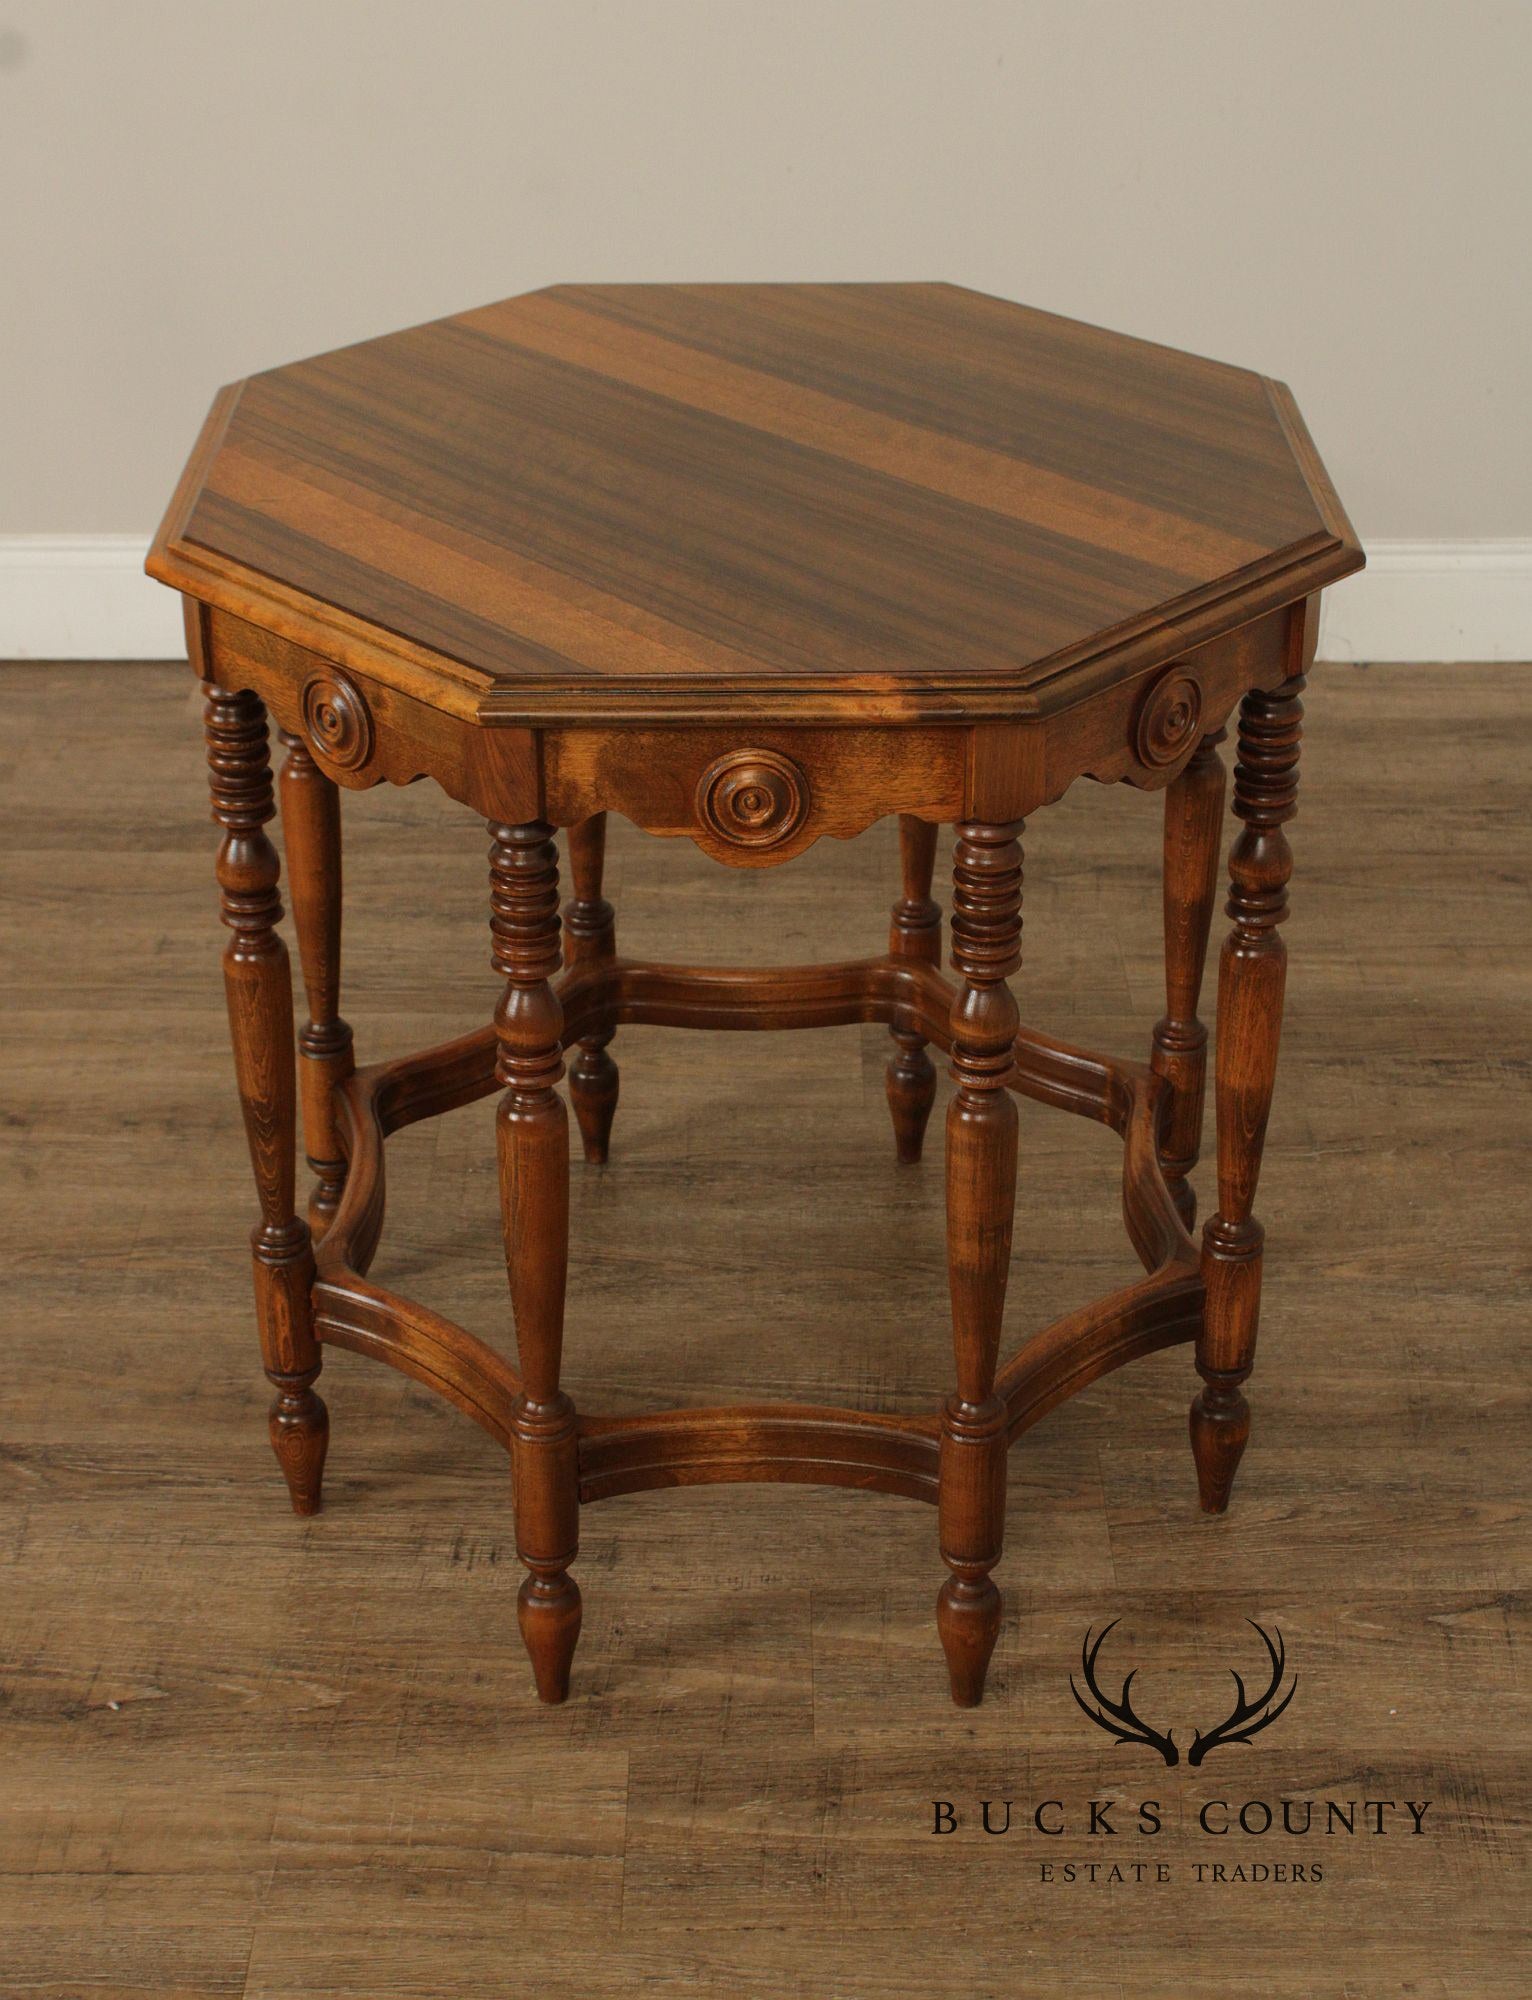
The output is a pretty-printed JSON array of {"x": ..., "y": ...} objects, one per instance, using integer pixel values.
[{"x": 1336, "y": 193}]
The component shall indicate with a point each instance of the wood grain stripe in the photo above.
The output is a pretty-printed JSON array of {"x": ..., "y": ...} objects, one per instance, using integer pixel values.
[
  {"x": 1184, "y": 435},
  {"x": 808, "y": 563},
  {"x": 1019, "y": 489},
  {"x": 550, "y": 607}
]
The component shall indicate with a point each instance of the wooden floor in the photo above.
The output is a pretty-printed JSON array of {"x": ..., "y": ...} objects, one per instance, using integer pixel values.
[{"x": 242, "y": 1754}]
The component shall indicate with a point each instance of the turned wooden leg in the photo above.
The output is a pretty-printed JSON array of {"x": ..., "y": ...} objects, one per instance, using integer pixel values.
[
  {"x": 981, "y": 1200},
  {"x": 915, "y": 932},
  {"x": 532, "y": 1132},
  {"x": 1193, "y": 822},
  {"x": 311, "y": 835},
  {"x": 1251, "y": 973},
  {"x": 258, "y": 987},
  {"x": 590, "y": 939}
]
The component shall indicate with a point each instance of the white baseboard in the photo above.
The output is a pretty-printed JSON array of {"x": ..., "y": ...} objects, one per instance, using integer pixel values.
[
  {"x": 85, "y": 597},
  {"x": 1433, "y": 601}
]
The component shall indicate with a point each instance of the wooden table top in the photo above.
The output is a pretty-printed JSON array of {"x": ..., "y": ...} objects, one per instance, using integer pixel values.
[{"x": 612, "y": 500}]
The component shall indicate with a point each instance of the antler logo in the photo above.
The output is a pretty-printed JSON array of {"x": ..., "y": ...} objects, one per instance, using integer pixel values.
[
  {"x": 1117, "y": 1717},
  {"x": 1244, "y": 1720},
  {"x": 1248, "y": 1717}
]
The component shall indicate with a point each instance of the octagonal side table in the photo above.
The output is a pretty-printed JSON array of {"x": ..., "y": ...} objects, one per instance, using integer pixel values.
[{"x": 752, "y": 565}]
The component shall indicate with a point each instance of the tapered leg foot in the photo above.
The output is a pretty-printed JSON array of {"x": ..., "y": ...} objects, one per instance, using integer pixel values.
[
  {"x": 548, "y": 1611},
  {"x": 593, "y": 1093},
  {"x": 968, "y": 1623},
  {"x": 1251, "y": 976},
  {"x": 300, "y": 1437},
  {"x": 532, "y": 1131},
  {"x": 911, "y": 1082},
  {"x": 1220, "y": 1428},
  {"x": 981, "y": 1203},
  {"x": 258, "y": 987}
]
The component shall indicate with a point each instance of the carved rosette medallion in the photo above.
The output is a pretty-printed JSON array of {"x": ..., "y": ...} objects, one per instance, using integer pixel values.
[
  {"x": 336, "y": 719},
  {"x": 1170, "y": 718},
  {"x": 752, "y": 798}
]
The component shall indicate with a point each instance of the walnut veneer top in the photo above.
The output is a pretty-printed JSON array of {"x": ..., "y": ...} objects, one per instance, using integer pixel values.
[{"x": 677, "y": 501}]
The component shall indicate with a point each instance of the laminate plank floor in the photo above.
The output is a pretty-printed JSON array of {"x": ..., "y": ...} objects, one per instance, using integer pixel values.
[{"x": 246, "y": 1755}]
